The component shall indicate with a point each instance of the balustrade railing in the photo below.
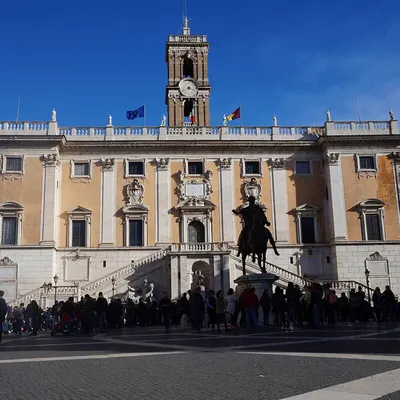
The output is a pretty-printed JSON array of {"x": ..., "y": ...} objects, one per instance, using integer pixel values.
[{"x": 199, "y": 247}]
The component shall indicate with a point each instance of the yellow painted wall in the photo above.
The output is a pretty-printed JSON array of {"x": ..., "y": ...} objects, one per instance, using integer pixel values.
[
  {"x": 215, "y": 198},
  {"x": 305, "y": 189},
  {"x": 87, "y": 195},
  {"x": 175, "y": 167},
  {"x": 357, "y": 189},
  {"x": 148, "y": 199},
  {"x": 28, "y": 193}
]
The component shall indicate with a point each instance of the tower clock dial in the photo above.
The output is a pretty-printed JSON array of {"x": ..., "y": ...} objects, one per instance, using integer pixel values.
[{"x": 188, "y": 87}]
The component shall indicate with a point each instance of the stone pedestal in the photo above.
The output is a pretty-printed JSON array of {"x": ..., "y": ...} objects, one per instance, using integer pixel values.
[{"x": 260, "y": 282}]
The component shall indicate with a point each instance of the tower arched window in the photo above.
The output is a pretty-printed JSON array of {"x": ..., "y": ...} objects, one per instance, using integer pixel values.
[
  {"x": 196, "y": 232},
  {"x": 188, "y": 68}
]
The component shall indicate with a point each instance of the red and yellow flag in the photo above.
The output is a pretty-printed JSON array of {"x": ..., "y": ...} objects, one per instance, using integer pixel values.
[{"x": 234, "y": 115}]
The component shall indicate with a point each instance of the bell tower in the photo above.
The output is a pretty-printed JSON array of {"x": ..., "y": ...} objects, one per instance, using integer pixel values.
[{"x": 187, "y": 93}]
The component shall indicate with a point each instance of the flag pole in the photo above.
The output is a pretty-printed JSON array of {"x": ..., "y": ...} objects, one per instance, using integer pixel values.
[
  {"x": 145, "y": 115},
  {"x": 16, "y": 119},
  {"x": 241, "y": 121}
]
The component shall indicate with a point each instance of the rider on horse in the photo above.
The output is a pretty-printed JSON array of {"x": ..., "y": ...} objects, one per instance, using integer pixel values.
[{"x": 254, "y": 223}]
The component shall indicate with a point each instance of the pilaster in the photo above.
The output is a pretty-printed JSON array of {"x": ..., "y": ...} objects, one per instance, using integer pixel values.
[
  {"x": 163, "y": 201},
  {"x": 218, "y": 272},
  {"x": 174, "y": 271},
  {"x": 280, "y": 199},
  {"x": 226, "y": 183},
  {"x": 337, "y": 209},
  {"x": 49, "y": 199},
  {"x": 108, "y": 202}
]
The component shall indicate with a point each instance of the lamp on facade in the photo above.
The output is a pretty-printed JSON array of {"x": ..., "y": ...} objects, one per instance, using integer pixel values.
[
  {"x": 367, "y": 280},
  {"x": 55, "y": 279},
  {"x": 113, "y": 285}
]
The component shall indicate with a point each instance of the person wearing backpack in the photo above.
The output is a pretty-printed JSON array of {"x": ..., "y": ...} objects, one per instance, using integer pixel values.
[
  {"x": 3, "y": 312},
  {"x": 19, "y": 319}
]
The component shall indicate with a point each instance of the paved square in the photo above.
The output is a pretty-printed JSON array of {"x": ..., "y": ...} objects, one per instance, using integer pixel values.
[{"x": 263, "y": 364}]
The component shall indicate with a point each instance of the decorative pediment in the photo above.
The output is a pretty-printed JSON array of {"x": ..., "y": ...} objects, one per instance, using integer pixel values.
[
  {"x": 376, "y": 257},
  {"x": 192, "y": 203},
  {"x": 10, "y": 206},
  {"x": 135, "y": 209},
  {"x": 306, "y": 209},
  {"x": 6, "y": 261},
  {"x": 79, "y": 211},
  {"x": 134, "y": 193},
  {"x": 371, "y": 203}
]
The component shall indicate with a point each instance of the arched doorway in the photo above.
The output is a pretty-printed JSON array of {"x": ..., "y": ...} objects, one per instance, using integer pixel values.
[
  {"x": 201, "y": 274},
  {"x": 196, "y": 232}
]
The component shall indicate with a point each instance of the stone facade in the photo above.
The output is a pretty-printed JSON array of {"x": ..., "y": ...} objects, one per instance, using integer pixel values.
[{"x": 89, "y": 204}]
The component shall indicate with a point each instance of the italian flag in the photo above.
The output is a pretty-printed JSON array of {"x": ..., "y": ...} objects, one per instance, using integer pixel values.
[{"x": 191, "y": 117}]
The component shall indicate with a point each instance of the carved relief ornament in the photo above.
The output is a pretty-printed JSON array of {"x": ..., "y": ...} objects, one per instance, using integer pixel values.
[
  {"x": 107, "y": 164},
  {"x": 277, "y": 163},
  {"x": 376, "y": 257},
  {"x": 252, "y": 188},
  {"x": 162, "y": 164},
  {"x": 50, "y": 159},
  {"x": 134, "y": 193},
  {"x": 6, "y": 261},
  {"x": 332, "y": 158},
  {"x": 224, "y": 163},
  {"x": 183, "y": 182}
]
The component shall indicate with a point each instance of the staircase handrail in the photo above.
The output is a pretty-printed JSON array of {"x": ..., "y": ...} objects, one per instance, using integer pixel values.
[
  {"x": 27, "y": 297},
  {"x": 126, "y": 270}
]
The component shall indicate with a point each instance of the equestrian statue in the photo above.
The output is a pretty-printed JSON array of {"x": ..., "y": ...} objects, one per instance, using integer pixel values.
[{"x": 254, "y": 238}]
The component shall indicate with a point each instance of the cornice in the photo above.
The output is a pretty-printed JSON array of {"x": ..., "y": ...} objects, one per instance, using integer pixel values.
[
  {"x": 354, "y": 139},
  {"x": 30, "y": 139}
]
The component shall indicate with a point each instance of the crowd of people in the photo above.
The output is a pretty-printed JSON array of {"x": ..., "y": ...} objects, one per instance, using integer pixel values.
[{"x": 315, "y": 306}]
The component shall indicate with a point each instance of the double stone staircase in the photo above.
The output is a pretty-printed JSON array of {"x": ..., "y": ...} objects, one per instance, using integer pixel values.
[{"x": 104, "y": 283}]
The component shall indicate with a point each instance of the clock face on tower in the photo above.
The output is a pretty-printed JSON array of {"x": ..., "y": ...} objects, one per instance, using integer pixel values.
[{"x": 188, "y": 87}]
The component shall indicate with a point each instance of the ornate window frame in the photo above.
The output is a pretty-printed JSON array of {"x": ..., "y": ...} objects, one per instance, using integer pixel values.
[
  {"x": 138, "y": 212},
  {"x": 14, "y": 210},
  {"x": 126, "y": 167},
  {"x": 307, "y": 210},
  {"x": 4, "y": 164},
  {"x": 367, "y": 172},
  {"x": 243, "y": 167},
  {"x": 81, "y": 178},
  {"x": 80, "y": 214},
  {"x": 300, "y": 160},
  {"x": 372, "y": 206},
  {"x": 187, "y": 161}
]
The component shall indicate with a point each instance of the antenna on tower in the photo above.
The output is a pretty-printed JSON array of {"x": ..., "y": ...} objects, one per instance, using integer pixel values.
[{"x": 186, "y": 29}]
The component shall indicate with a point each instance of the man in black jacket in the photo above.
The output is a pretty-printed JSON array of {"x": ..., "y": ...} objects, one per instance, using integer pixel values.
[{"x": 3, "y": 312}]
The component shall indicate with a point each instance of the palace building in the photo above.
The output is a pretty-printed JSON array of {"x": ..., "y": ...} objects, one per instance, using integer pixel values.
[{"x": 102, "y": 208}]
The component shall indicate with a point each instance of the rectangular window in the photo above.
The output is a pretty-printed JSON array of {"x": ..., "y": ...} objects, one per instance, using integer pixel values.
[
  {"x": 367, "y": 162},
  {"x": 135, "y": 232},
  {"x": 195, "y": 168},
  {"x": 13, "y": 164},
  {"x": 9, "y": 231},
  {"x": 374, "y": 231},
  {"x": 307, "y": 229},
  {"x": 252, "y": 167},
  {"x": 303, "y": 168},
  {"x": 78, "y": 233},
  {"x": 81, "y": 169},
  {"x": 135, "y": 168}
]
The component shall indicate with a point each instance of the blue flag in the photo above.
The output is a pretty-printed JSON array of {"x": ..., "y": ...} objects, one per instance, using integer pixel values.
[{"x": 138, "y": 113}]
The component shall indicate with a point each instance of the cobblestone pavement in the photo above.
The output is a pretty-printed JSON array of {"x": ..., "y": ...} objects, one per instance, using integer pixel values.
[{"x": 263, "y": 364}]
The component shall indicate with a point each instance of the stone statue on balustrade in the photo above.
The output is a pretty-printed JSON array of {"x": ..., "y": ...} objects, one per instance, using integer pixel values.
[{"x": 254, "y": 238}]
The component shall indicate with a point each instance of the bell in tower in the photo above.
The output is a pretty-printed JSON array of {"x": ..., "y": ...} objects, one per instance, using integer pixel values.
[{"x": 188, "y": 89}]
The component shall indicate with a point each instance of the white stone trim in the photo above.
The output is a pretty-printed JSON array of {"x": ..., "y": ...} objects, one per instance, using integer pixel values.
[
  {"x": 203, "y": 217},
  {"x": 140, "y": 216},
  {"x": 243, "y": 167},
  {"x": 163, "y": 202},
  {"x": 79, "y": 214},
  {"x": 13, "y": 210},
  {"x": 366, "y": 172},
  {"x": 126, "y": 167},
  {"x": 372, "y": 206},
  {"x": 187, "y": 161},
  {"x": 72, "y": 169},
  {"x": 307, "y": 210},
  {"x": 3, "y": 164}
]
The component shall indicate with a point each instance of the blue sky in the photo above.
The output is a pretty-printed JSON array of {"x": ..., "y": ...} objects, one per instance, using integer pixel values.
[{"x": 292, "y": 58}]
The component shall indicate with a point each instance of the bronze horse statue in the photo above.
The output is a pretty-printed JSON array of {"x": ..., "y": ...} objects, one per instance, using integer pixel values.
[{"x": 254, "y": 238}]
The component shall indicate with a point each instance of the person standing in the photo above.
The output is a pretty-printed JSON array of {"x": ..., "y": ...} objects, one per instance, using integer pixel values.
[
  {"x": 232, "y": 307},
  {"x": 220, "y": 309},
  {"x": 34, "y": 313},
  {"x": 197, "y": 308},
  {"x": 101, "y": 310},
  {"x": 265, "y": 303},
  {"x": 211, "y": 309},
  {"x": 3, "y": 312},
  {"x": 165, "y": 307}
]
